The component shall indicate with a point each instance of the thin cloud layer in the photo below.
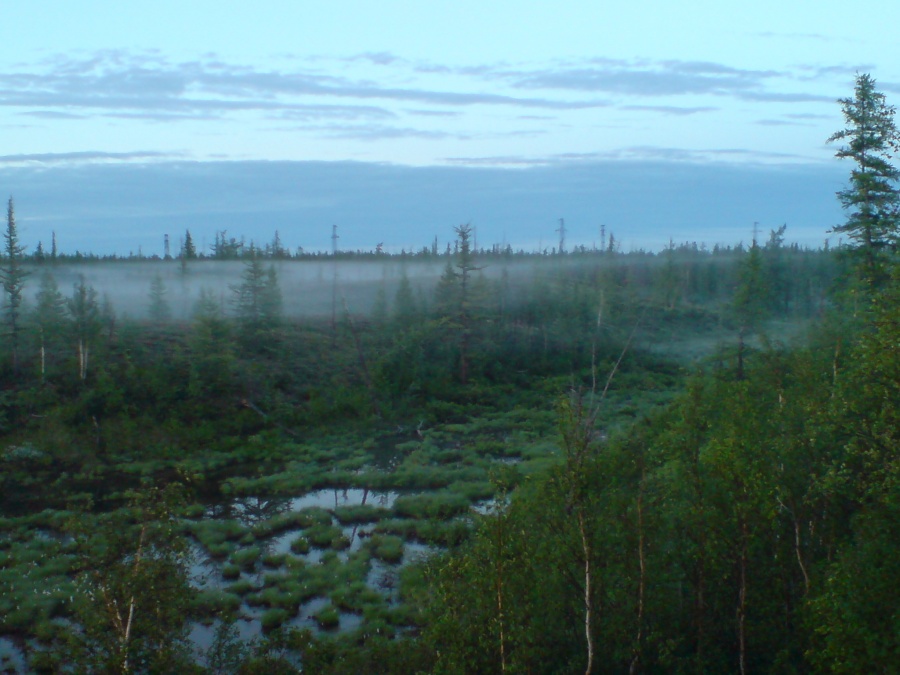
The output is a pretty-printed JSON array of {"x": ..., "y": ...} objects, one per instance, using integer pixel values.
[{"x": 117, "y": 83}]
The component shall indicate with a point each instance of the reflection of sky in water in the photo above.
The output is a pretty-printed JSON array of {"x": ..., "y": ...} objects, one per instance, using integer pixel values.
[
  {"x": 332, "y": 499},
  {"x": 206, "y": 573},
  {"x": 12, "y": 659}
]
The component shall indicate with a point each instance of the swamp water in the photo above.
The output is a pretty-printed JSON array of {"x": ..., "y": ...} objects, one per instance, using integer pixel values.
[{"x": 268, "y": 571}]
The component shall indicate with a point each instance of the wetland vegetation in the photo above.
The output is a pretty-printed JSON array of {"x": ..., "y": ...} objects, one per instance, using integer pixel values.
[{"x": 681, "y": 461}]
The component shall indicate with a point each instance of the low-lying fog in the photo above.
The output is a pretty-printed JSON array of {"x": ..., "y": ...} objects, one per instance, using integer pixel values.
[{"x": 307, "y": 286}]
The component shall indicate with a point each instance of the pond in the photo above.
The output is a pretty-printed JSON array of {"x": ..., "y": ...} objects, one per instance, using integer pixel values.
[{"x": 322, "y": 561}]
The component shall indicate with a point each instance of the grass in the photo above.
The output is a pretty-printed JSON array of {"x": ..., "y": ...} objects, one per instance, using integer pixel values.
[
  {"x": 386, "y": 547},
  {"x": 231, "y": 572},
  {"x": 300, "y": 545},
  {"x": 360, "y": 513},
  {"x": 213, "y": 601},
  {"x": 324, "y": 536},
  {"x": 246, "y": 558},
  {"x": 435, "y": 505},
  {"x": 273, "y": 618},
  {"x": 328, "y": 617}
]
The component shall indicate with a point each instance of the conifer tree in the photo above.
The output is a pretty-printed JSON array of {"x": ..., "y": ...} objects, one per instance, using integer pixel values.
[
  {"x": 13, "y": 277},
  {"x": 872, "y": 200},
  {"x": 257, "y": 299},
  {"x": 188, "y": 250},
  {"x": 160, "y": 311},
  {"x": 49, "y": 317}
]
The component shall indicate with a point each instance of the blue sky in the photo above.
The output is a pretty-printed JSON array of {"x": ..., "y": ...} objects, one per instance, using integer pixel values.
[{"x": 498, "y": 92}]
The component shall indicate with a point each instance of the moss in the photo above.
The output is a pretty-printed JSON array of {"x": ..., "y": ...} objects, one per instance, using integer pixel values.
[
  {"x": 300, "y": 545},
  {"x": 216, "y": 601},
  {"x": 241, "y": 587},
  {"x": 273, "y": 618},
  {"x": 362, "y": 513},
  {"x": 313, "y": 516},
  {"x": 273, "y": 560},
  {"x": 231, "y": 572},
  {"x": 438, "y": 505},
  {"x": 323, "y": 536},
  {"x": 386, "y": 547},
  {"x": 246, "y": 558},
  {"x": 328, "y": 617}
]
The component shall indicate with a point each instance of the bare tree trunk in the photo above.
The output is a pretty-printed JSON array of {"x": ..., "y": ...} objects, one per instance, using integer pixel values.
[
  {"x": 43, "y": 358},
  {"x": 642, "y": 577},
  {"x": 588, "y": 603},
  {"x": 799, "y": 555},
  {"x": 742, "y": 603},
  {"x": 498, "y": 583},
  {"x": 83, "y": 351}
]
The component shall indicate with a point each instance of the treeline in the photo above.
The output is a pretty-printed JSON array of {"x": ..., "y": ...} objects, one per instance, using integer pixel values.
[
  {"x": 239, "y": 366},
  {"x": 751, "y": 526}
]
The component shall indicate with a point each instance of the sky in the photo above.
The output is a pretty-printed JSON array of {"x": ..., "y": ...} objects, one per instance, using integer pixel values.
[{"x": 397, "y": 120}]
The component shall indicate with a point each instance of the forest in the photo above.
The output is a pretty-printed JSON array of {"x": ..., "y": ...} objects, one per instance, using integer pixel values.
[{"x": 458, "y": 459}]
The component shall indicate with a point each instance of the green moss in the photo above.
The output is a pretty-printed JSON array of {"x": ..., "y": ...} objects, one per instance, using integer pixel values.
[
  {"x": 273, "y": 559},
  {"x": 231, "y": 572},
  {"x": 246, "y": 558},
  {"x": 313, "y": 516},
  {"x": 242, "y": 587},
  {"x": 437, "y": 505},
  {"x": 386, "y": 547},
  {"x": 300, "y": 545},
  {"x": 216, "y": 601},
  {"x": 328, "y": 617},
  {"x": 323, "y": 536},
  {"x": 362, "y": 513},
  {"x": 273, "y": 618}
]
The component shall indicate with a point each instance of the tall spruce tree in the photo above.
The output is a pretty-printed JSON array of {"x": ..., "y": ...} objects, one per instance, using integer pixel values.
[
  {"x": 159, "y": 311},
  {"x": 13, "y": 277},
  {"x": 48, "y": 318},
  {"x": 872, "y": 201},
  {"x": 257, "y": 299}
]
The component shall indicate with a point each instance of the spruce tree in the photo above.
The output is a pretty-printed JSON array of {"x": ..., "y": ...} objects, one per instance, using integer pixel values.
[
  {"x": 13, "y": 277},
  {"x": 160, "y": 311},
  {"x": 188, "y": 250},
  {"x": 48, "y": 318},
  {"x": 872, "y": 200}
]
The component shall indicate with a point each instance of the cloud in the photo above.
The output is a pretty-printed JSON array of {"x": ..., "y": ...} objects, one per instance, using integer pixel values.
[
  {"x": 670, "y": 109},
  {"x": 117, "y": 83},
  {"x": 52, "y": 115},
  {"x": 780, "y": 123},
  {"x": 435, "y": 113},
  {"x": 784, "y": 97},
  {"x": 84, "y": 157},
  {"x": 642, "y": 78},
  {"x": 380, "y": 133}
]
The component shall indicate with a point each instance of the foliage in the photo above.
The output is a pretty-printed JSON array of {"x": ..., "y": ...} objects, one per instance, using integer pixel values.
[
  {"x": 13, "y": 275},
  {"x": 872, "y": 199},
  {"x": 132, "y": 594}
]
